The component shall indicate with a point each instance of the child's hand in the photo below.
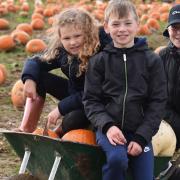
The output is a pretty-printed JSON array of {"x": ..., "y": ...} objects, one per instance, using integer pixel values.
[
  {"x": 134, "y": 149},
  {"x": 115, "y": 136},
  {"x": 53, "y": 116},
  {"x": 30, "y": 89}
]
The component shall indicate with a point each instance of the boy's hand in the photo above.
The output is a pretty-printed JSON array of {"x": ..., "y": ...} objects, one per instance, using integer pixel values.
[
  {"x": 53, "y": 116},
  {"x": 30, "y": 89},
  {"x": 134, "y": 149},
  {"x": 115, "y": 136}
]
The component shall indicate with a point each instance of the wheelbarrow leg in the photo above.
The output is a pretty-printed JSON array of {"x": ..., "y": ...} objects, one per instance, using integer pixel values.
[
  {"x": 55, "y": 167},
  {"x": 25, "y": 161}
]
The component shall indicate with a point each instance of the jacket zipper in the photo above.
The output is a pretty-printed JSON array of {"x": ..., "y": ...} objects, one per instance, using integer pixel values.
[{"x": 126, "y": 89}]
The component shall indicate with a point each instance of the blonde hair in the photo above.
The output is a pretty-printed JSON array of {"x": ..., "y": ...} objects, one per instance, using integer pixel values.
[
  {"x": 120, "y": 8},
  {"x": 80, "y": 19}
]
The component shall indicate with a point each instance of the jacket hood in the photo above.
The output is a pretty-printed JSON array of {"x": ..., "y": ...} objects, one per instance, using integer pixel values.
[{"x": 139, "y": 44}]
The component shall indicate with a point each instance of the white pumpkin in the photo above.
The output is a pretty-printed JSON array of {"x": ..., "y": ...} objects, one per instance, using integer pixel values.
[{"x": 164, "y": 141}]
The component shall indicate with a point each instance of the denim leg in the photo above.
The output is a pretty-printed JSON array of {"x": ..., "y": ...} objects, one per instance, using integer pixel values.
[
  {"x": 142, "y": 166},
  {"x": 116, "y": 159}
]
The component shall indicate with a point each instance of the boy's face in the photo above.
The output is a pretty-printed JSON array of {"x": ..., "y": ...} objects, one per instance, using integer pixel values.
[
  {"x": 122, "y": 30},
  {"x": 174, "y": 34},
  {"x": 72, "y": 38}
]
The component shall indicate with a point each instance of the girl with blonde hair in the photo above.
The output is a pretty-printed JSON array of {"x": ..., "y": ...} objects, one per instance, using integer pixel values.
[{"x": 74, "y": 39}]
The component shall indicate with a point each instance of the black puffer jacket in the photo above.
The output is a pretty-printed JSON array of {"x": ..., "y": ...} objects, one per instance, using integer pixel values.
[
  {"x": 126, "y": 87},
  {"x": 171, "y": 59}
]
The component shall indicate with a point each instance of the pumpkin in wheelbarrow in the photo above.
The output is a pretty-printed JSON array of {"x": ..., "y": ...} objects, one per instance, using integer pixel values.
[
  {"x": 49, "y": 132},
  {"x": 81, "y": 136}
]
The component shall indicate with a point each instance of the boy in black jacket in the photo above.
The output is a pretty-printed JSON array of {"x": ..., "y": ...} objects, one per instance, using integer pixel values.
[{"x": 125, "y": 95}]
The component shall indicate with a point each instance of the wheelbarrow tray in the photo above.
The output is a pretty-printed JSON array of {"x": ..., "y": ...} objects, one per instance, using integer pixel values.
[{"x": 78, "y": 161}]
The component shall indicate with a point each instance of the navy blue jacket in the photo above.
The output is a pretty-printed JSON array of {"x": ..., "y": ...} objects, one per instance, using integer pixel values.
[{"x": 34, "y": 66}]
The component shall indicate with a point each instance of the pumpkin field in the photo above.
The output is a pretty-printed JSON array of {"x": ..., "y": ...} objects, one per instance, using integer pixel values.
[{"x": 24, "y": 26}]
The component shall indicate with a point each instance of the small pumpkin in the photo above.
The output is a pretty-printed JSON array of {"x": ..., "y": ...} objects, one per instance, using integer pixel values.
[
  {"x": 83, "y": 136},
  {"x": 4, "y": 24},
  {"x": 37, "y": 24},
  {"x": 17, "y": 96},
  {"x": 50, "y": 133},
  {"x": 25, "y": 27},
  {"x": 20, "y": 36},
  {"x": 35, "y": 46},
  {"x": 3, "y": 74},
  {"x": 6, "y": 43},
  {"x": 37, "y": 16}
]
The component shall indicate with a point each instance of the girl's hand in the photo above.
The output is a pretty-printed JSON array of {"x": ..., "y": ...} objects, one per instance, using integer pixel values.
[
  {"x": 115, "y": 136},
  {"x": 134, "y": 149},
  {"x": 30, "y": 89},
  {"x": 53, "y": 116}
]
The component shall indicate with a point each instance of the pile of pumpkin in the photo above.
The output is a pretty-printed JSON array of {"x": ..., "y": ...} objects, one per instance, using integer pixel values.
[{"x": 151, "y": 15}]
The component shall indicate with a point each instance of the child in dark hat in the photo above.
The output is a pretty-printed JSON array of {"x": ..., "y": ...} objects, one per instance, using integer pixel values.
[{"x": 171, "y": 59}]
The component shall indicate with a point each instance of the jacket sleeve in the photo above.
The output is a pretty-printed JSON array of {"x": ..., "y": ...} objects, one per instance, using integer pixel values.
[
  {"x": 92, "y": 99},
  {"x": 156, "y": 100},
  {"x": 70, "y": 103},
  {"x": 34, "y": 66}
]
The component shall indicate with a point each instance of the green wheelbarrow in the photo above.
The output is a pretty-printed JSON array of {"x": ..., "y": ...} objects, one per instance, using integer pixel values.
[{"x": 54, "y": 159}]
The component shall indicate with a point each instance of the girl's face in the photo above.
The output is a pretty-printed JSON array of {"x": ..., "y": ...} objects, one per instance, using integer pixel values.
[
  {"x": 72, "y": 38},
  {"x": 122, "y": 30},
  {"x": 174, "y": 34}
]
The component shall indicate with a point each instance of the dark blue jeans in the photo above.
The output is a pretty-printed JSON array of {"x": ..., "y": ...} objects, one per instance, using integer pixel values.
[{"x": 118, "y": 161}]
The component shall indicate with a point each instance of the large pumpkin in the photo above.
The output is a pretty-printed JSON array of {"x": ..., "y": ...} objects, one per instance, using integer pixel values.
[
  {"x": 81, "y": 136},
  {"x": 3, "y": 73},
  {"x": 17, "y": 96},
  {"x": 50, "y": 133}
]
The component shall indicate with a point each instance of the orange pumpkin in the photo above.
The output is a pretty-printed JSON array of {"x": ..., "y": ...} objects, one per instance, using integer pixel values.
[
  {"x": 37, "y": 24},
  {"x": 50, "y": 133},
  {"x": 17, "y": 96},
  {"x": 81, "y": 136},
  {"x": 48, "y": 12},
  {"x": 4, "y": 24},
  {"x": 35, "y": 46},
  {"x": 25, "y": 27},
  {"x": 153, "y": 24},
  {"x": 6, "y": 43},
  {"x": 20, "y": 36},
  {"x": 25, "y": 6},
  {"x": 3, "y": 74},
  {"x": 37, "y": 16}
]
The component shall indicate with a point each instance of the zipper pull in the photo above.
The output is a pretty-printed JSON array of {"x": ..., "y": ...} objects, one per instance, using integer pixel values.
[{"x": 124, "y": 57}]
